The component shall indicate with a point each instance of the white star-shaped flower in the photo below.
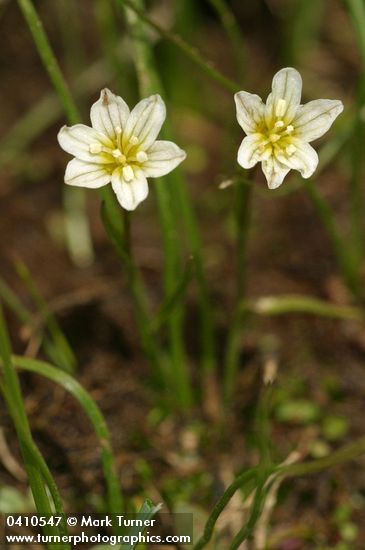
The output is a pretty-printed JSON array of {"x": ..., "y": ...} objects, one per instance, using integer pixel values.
[
  {"x": 278, "y": 133},
  {"x": 120, "y": 148}
]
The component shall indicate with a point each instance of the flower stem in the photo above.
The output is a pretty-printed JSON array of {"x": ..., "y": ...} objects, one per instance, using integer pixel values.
[
  {"x": 241, "y": 216},
  {"x": 190, "y": 51},
  {"x": 149, "y": 83},
  {"x": 118, "y": 231}
]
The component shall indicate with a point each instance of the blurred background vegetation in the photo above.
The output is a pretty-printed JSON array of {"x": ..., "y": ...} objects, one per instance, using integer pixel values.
[{"x": 50, "y": 262}]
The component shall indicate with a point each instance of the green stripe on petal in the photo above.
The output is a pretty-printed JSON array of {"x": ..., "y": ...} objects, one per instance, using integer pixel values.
[
  {"x": 86, "y": 174},
  {"x": 316, "y": 117},
  {"x": 108, "y": 113},
  {"x": 144, "y": 122},
  {"x": 163, "y": 157}
]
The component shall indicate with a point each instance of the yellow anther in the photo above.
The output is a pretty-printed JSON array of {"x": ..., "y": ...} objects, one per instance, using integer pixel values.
[
  {"x": 118, "y": 130},
  {"x": 290, "y": 149},
  {"x": 117, "y": 154},
  {"x": 134, "y": 140},
  {"x": 141, "y": 156},
  {"x": 280, "y": 108},
  {"x": 289, "y": 129},
  {"x": 128, "y": 174},
  {"x": 95, "y": 148},
  {"x": 274, "y": 137},
  {"x": 279, "y": 124}
]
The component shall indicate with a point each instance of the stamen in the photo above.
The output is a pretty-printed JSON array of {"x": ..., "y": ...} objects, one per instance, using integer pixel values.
[
  {"x": 95, "y": 148},
  {"x": 274, "y": 137},
  {"x": 128, "y": 174},
  {"x": 289, "y": 129},
  {"x": 291, "y": 149},
  {"x": 141, "y": 156},
  {"x": 263, "y": 144},
  {"x": 118, "y": 130},
  {"x": 134, "y": 140},
  {"x": 116, "y": 153},
  {"x": 279, "y": 124},
  {"x": 280, "y": 108}
]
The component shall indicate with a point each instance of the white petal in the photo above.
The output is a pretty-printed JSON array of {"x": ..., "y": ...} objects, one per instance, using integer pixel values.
[
  {"x": 131, "y": 193},
  {"x": 163, "y": 157},
  {"x": 77, "y": 140},
  {"x": 284, "y": 99},
  {"x": 305, "y": 158},
  {"x": 314, "y": 118},
  {"x": 249, "y": 151},
  {"x": 250, "y": 111},
  {"x": 86, "y": 174},
  {"x": 109, "y": 113},
  {"x": 274, "y": 172},
  {"x": 145, "y": 121}
]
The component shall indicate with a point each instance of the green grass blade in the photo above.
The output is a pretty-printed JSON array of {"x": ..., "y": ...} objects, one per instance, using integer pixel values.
[
  {"x": 61, "y": 349},
  {"x": 115, "y": 500},
  {"x": 146, "y": 512},
  {"x": 295, "y": 303},
  {"x": 35, "y": 465},
  {"x": 174, "y": 298},
  {"x": 190, "y": 51},
  {"x": 80, "y": 245}
]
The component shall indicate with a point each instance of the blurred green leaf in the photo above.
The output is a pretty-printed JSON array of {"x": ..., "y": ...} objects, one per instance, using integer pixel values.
[
  {"x": 298, "y": 411},
  {"x": 13, "y": 501},
  {"x": 335, "y": 427},
  {"x": 147, "y": 511}
]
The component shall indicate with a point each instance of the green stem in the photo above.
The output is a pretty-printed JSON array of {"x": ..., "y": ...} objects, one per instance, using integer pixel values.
[
  {"x": 259, "y": 498},
  {"x": 232, "y": 28},
  {"x": 241, "y": 480},
  {"x": 115, "y": 500},
  {"x": 35, "y": 466},
  {"x": 109, "y": 36},
  {"x": 344, "y": 255},
  {"x": 149, "y": 83},
  {"x": 290, "y": 303},
  {"x": 348, "y": 452},
  {"x": 77, "y": 226},
  {"x": 241, "y": 216},
  {"x": 190, "y": 51},
  {"x": 73, "y": 45},
  {"x": 118, "y": 231},
  {"x": 357, "y": 14},
  {"x": 180, "y": 197},
  {"x": 49, "y": 60}
]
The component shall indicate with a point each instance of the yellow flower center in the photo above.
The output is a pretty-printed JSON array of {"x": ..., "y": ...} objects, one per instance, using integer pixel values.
[
  {"x": 126, "y": 154},
  {"x": 276, "y": 135}
]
